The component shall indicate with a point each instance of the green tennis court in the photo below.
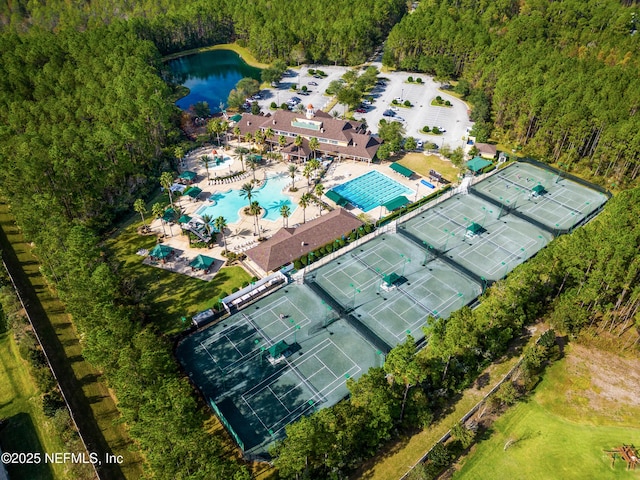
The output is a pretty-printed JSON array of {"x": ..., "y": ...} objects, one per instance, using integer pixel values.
[
  {"x": 541, "y": 195},
  {"x": 424, "y": 286},
  {"x": 257, "y": 394},
  {"x": 498, "y": 243}
]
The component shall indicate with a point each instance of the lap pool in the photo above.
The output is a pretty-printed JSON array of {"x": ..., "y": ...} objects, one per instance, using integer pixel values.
[{"x": 371, "y": 190}]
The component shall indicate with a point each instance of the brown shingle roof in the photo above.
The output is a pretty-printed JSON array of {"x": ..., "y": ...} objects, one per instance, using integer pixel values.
[
  {"x": 487, "y": 150},
  {"x": 290, "y": 243},
  {"x": 359, "y": 144}
]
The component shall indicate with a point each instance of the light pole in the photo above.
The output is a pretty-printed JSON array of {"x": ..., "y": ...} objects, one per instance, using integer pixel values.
[
  {"x": 355, "y": 292},
  {"x": 406, "y": 260}
]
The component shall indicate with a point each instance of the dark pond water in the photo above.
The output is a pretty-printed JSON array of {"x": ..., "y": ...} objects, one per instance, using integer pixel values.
[{"x": 210, "y": 76}]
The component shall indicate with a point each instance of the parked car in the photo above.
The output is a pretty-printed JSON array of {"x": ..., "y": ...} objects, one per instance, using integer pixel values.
[
  {"x": 419, "y": 144},
  {"x": 314, "y": 84},
  {"x": 366, "y": 102},
  {"x": 388, "y": 113},
  {"x": 361, "y": 110}
]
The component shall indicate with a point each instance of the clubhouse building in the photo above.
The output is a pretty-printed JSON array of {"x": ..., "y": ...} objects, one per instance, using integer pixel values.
[{"x": 337, "y": 138}]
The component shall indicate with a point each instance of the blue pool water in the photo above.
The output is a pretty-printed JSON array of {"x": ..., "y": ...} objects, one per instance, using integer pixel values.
[
  {"x": 371, "y": 190},
  {"x": 270, "y": 197}
]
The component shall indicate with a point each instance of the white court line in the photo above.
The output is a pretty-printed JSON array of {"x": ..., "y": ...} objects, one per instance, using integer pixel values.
[
  {"x": 254, "y": 412},
  {"x": 278, "y": 398},
  {"x": 234, "y": 345}
]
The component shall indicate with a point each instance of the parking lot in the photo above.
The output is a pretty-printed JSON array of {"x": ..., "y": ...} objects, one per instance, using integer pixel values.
[{"x": 454, "y": 120}]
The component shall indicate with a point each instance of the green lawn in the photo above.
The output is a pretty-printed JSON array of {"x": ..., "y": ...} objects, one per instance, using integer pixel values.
[
  {"x": 27, "y": 429},
  {"x": 170, "y": 296},
  {"x": 421, "y": 164},
  {"x": 554, "y": 438}
]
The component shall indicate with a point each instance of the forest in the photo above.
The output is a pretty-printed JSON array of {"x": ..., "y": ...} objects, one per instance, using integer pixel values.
[
  {"x": 555, "y": 79},
  {"x": 88, "y": 125}
]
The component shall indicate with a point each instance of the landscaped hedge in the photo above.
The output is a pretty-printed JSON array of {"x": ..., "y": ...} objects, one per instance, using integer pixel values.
[{"x": 331, "y": 247}]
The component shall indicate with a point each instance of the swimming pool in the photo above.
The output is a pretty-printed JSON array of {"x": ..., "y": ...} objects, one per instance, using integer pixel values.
[
  {"x": 218, "y": 162},
  {"x": 270, "y": 197},
  {"x": 371, "y": 190}
]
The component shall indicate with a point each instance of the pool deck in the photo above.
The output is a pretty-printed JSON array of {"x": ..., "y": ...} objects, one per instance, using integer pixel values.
[{"x": 240, "y": 235}]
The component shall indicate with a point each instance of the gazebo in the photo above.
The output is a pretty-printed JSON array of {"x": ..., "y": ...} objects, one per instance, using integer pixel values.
[
  {"x": 396, "y": 203},
  {"x": 401, "y": 169},
  {"x": 278, "y": 351},
  {"x": 169, "y": 215},
  {"x": 477, "y": 164},
  {"x": 538, "y": 191},
  {"x": 474, "y": 229},
  {"x": 202, "y": 262},
  {"x": 336, "y": 197},
  {"x": 188, "y": 177},
  {"x": 194, "y": 192},
  {"x": 161, "y": 252},
  {"x": 184, "y": 219}
]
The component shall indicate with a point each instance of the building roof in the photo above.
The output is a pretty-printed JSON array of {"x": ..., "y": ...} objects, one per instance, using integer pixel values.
[
  {"x": 401, "y": 169},
  {"x": 350, "y": 135},
  {"x": 396, "y": 203},
  {"x": 290, "y": 243},
  {"x": 476, "y": 164},
  {"x": 202, "y": 262},
  {"x": 487, "y": 150}
]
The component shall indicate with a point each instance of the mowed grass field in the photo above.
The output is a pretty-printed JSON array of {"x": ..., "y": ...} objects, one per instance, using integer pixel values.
[
  {"x": 421, "y": 164},
  {"x": 587, "y": 403},
  {"x": 170, "y": 296}
]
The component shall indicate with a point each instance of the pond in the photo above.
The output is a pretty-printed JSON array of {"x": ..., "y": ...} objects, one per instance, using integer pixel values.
[{"x": 210, "y": 76}]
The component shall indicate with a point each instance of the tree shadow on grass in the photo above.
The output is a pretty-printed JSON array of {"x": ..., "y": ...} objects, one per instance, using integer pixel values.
[{"x": 19, "y": 435}]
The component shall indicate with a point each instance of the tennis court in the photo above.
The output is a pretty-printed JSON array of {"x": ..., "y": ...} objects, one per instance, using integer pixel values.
[
  {"x": 426, "y": 286},
  {"x": 561, "y": 204},
  {"x": 257, "y": 383},
  {"x": 497, "y": 246}
]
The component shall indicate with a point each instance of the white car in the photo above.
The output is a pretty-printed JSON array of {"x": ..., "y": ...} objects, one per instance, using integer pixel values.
[{"x": 419, "y": 144}]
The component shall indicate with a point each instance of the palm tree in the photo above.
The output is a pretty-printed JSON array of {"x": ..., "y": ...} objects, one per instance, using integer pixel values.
[
  {"x": 313, "y": 145},
  {"x": 269, "y": 133},
  {"x": 157, "y": 209},
  {"x": 315, "y": 164},
  {"x": 246, "y": 191},
  {"x": 237, "y": 132},
  {"x": 298, "y": 141},
  {"x": 207, "y": 224},
  {"x": 221, "y": 223},
  {"x": 166, "y": 180},
  {"x": 319, "y": 191},
  {"x": 260, "y": 139},
  {"x": 285, "y": 212},
  {"x": 178, "y": 152},
  {"x": 241, "y": 152},
  {"x": 292, "y": 173},
  {"x": 204, "y": 160},
  {"x": 141, "y": 208},
  {"x": 304, "y": 202},
  {"x": 249, "y": 138},
  {"x": 282, "y": 141},
  {"x": 306, "y": 173},
  {"x": 255, "y": 209},
  {"x": 253, "y": 165}
]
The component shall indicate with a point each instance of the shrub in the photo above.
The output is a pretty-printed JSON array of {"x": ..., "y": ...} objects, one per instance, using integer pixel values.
[
  {"x": 352, "y": 236},
  {"x": 43, "y": 378},
  {"x": 297, "y": 264},
  {"x": 368, "y": 228},
  {"x": 312, "y": 71},
  {"x": 273, "y": 106},
  {"x": 254, "y": 279},
  {"x": 439, "y": 99},
  {"x": 447, "y": 103},
  {"x": 407, "y": 103},
  {"x": 51, "y": 403},
  {"x": 394, "y": 101},
  {"x": 245, "y": 284},
  {"x": 435, "y": 130},
  {"x": 235, "y": 289},
  {"x": 284, "y": 106},
  {"x": 322, "y": 251},
  {"x": 419, "y": 80},
  {"x": 304, "y": 260},
  {"x": 426, "y": 129},
  {"x": 321, "y": 73},
  {"x": 329, "y": 247},
  {"x": 304, "y": 88},
  {"x": 410, "y": 79}
]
